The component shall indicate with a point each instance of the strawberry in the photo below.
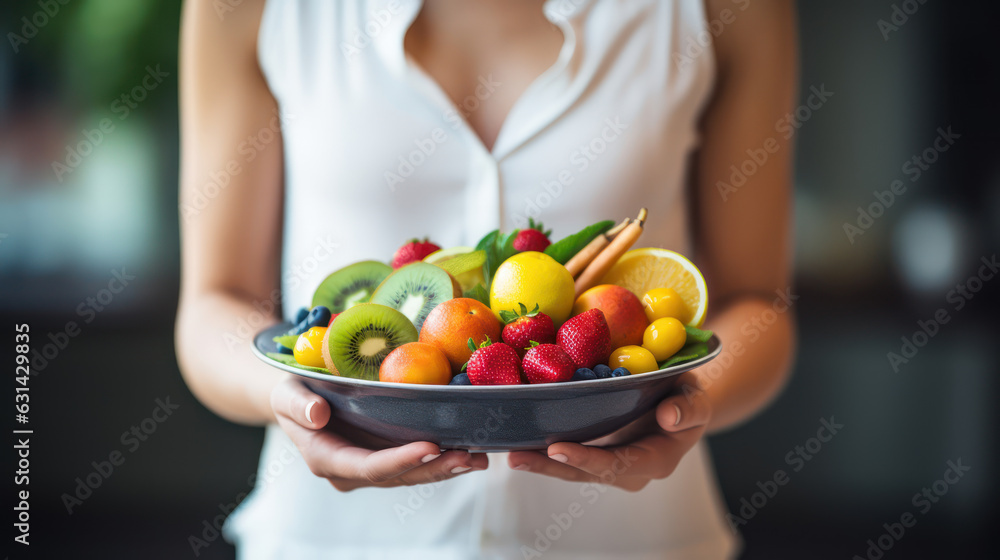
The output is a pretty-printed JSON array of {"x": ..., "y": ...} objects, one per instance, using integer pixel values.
[
  {"x": 535, "y": 238},
  {"x": 548, "y": 363},
  {"x": 522, "y": 328},
  {"x": 493, "y": 364},
  {"x": 586, "y": 338},
  {"x": 414, "y": 250}
]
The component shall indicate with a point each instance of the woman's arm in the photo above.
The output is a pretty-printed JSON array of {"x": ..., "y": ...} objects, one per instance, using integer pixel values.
[
  {"x": 744, "y": 245},
  {"x": 744, "y": 240},
  {"x": 230, "y": 232},
  {"x": 230, "y": 247}
]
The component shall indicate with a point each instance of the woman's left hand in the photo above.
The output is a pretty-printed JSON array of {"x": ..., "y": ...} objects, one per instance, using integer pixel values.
[{"x": 680, "y": 421}]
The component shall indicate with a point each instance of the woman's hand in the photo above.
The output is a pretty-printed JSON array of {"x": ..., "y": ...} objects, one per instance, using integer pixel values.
[
  {"x": 680, "y": 421},
  {"x": 302, "y": 414}
]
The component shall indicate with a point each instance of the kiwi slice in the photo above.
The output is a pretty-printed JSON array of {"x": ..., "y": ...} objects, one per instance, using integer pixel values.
[
  {"x": 416, "y": 289},
  {"x": 363, "y": 336},
  {"x": 325, "y": 351},
  {"x": 350, "y": 285}
]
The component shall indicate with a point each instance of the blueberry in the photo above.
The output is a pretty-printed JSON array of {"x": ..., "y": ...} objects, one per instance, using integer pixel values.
[
  {"x": 620, "y": 372},
  {"x": 300, "y": 315},
  {"x": 300, "y": 327},
  {"x": 282, "y": 349},
  {"x": 583, "y": 374},
  {"x": 602, "y": 371},
  {"x": 318, "y": 317},
  {"x": 460, "y": 379}
]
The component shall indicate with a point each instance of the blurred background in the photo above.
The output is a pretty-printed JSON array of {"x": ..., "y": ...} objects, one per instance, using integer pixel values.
[{"x": 88, "y": 193}]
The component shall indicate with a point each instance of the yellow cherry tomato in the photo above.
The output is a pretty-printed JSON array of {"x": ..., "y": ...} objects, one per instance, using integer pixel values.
[
  {"x": 664, "y": 337},
  {"x": 635, "y": 359},
  {"x": 665, "y": 302},
  {"x": 308, "y": 347}
]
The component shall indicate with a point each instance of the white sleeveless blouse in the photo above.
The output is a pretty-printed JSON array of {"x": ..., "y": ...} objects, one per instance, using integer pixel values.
[{"x": 376, "y": 153}]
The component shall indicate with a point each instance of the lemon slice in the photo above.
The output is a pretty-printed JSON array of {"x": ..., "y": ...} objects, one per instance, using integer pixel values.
[
  {"x": 445, "y": 254},
  {"x": 641, "y": 270},
  {"x": 464, "y": 263},
  {"x": 461, "y": 264}
]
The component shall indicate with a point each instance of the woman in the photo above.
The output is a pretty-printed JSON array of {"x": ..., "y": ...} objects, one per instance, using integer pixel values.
[{"x": 315, "y": 134}]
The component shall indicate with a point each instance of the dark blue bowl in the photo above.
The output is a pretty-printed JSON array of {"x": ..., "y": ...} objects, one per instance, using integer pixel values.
[{"x": 488, "y": 418}]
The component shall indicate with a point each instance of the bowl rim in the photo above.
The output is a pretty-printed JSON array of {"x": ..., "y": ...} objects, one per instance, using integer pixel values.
[{"x": 262, "y": 343}]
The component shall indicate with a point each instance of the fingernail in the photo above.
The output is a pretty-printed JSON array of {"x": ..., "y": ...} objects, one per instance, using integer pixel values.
[
  {"x": 521, "y": 468},
  {"x": 559, "y": 457},
  {"x": 458, "y": 470},
  {"x": 430, "y": 457},
  {"x": 678, "y": 420},
  {"x": 309, "y": 408}
]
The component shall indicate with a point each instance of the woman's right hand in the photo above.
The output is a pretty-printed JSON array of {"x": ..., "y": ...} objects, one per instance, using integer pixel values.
[{"x": 303, "y": 414}]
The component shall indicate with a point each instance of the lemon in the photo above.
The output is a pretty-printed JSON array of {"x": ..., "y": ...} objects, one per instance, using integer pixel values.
[
  {"x": 665, "y": 302},
  {"x": 642, "y": 270},
  {"x": 635, "y": 359},
  {"x": 664, "y": 337},
  {"x": 533, "y": 278}
]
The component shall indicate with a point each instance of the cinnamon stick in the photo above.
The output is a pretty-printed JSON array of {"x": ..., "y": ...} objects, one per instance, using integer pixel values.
[
  {"x": 610, "y": 254},
  {"x": 580, "y": 260}
]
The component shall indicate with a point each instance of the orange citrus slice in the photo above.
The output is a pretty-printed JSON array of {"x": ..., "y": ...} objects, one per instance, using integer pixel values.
[{"x": 641, "y": 270}]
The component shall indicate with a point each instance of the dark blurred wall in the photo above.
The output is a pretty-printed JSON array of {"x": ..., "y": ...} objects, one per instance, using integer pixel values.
[{"x": 937, "y": 70}]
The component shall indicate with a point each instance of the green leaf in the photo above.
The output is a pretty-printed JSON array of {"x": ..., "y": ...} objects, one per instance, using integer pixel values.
[
  {"x": 471, "y": 344},
  {"x": 689, "y": 352},
  {"x": 488, "y": 240},
  {"x": 532, "y": 224},
  {"x": 289, "y": 360},
  {"x": 508, "y": 316},
  {"x": 490, "y": 264},
  {"x": 286, "y": 340},
  {"x": 479, "y": 293},
  {"x": 697, "y": 335},
  {"x": 694, "y": 348},
  {"x": 502, "y": 248},
  {"x": 564, "y": 249},
  {"x": 505, "y": 245}
]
